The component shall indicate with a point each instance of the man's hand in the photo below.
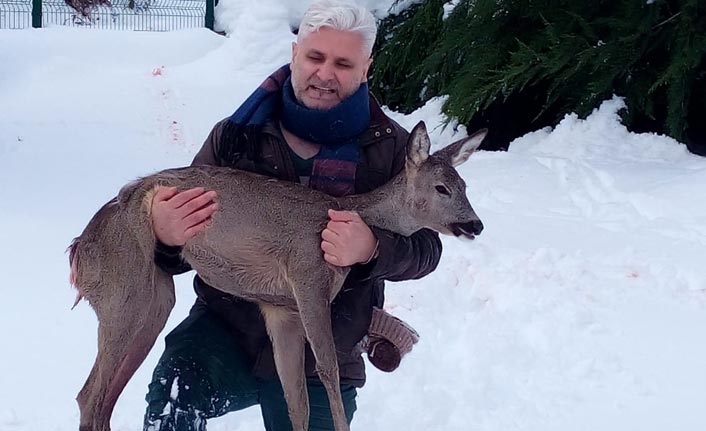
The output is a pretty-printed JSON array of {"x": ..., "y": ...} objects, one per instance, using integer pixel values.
[
  {"x": 347, "y": 240},
  {"x": 178, "y": 217}
]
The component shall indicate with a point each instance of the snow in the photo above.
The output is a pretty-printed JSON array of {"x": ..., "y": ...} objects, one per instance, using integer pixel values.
[{"x": 582, "y": 306}]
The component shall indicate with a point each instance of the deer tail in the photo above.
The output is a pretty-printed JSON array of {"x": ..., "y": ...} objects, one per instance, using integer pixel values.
[
  {"x": 122, "y": 227},
  {"x": 73, "y": 264}
]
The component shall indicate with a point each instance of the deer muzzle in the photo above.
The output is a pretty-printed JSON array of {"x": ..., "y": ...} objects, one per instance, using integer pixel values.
[{"x": 468, "y": 229}]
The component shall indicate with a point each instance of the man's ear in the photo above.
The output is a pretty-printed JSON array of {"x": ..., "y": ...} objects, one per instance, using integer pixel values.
[
  {"x": 294, "y": 50},
  {"x": 418, "y": 145},
  {"x": 366, "y": 69}
]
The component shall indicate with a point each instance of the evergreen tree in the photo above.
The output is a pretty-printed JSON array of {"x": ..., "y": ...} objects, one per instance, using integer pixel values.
[{"x": 518, "y": 65}]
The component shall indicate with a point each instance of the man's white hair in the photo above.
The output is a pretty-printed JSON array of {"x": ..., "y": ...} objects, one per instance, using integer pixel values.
[{"x": 339, "y": 15}]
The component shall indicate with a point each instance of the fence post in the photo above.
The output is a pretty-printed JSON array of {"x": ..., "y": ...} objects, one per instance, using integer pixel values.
[
  {"x": 210, "y": 14},
  {"x": 37, "y": 13}
]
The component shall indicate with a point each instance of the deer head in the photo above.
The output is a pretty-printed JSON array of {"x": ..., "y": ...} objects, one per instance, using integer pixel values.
[{"x": 436, "y": 193}]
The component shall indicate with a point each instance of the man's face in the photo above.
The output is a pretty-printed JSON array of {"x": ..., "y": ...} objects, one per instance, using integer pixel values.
[{"x": 327, "y": 66}]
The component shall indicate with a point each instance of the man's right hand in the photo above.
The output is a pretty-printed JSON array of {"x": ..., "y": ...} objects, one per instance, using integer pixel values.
[{"x": 179, "y": 216}]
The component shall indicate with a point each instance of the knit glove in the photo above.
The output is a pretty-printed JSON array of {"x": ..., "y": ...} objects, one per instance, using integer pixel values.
[{"x": 388, "y": 340}]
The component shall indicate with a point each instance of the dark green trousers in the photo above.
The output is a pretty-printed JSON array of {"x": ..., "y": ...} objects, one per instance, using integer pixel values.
[{"x": 204, "y": 374}]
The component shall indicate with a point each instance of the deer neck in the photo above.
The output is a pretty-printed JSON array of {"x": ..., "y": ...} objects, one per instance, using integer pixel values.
[{"x": 385, "y": 207}]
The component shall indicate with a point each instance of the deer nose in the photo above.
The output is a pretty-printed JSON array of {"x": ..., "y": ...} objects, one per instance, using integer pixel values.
[
  {"x": 468, "y": 230},
  {"x": 476, "y": 227}
]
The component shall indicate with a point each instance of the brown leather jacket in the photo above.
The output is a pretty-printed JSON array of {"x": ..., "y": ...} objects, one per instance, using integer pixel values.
[{"x": 383, "y": 147}]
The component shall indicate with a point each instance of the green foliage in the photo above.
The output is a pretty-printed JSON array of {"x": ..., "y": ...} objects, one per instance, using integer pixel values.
[
  {"x": 401, "y": 50},
  {"x": 532, "y": 61}
]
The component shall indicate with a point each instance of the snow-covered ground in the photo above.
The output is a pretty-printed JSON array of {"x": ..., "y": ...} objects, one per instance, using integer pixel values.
[{"x": 582, "y": 306}]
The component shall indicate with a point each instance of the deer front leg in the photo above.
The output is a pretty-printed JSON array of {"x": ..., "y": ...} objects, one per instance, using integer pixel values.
[
  {"x": 315, "y": 315},
  {"x": 287, "y": 335}
]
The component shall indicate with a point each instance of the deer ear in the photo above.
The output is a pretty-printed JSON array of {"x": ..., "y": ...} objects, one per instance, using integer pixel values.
[
  {"x": 461, "y": 150},
  {"x": 418, "y": 144}
]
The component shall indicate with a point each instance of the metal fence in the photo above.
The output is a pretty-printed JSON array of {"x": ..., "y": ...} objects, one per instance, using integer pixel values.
[
  {"x": 143, "y": 15},
  {"x": 15, "y": 14}
]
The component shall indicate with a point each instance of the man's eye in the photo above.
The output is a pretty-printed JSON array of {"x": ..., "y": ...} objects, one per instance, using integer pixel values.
[
  {"x": 344, "y": 65},
  {"x": 443, "y": 190}
]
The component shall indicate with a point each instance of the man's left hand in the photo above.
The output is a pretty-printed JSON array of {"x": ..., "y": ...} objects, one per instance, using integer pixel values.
[{"x": 347, "y": 240}]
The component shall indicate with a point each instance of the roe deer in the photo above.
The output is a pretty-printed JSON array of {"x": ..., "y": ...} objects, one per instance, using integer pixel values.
[{"x": 263, "y": 245}]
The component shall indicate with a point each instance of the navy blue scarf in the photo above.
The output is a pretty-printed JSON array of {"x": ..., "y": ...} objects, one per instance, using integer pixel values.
[{"x": 336, "y": 129}]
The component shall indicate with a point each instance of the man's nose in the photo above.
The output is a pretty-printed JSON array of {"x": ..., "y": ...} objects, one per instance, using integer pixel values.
[{"x": 326, "y": 72}]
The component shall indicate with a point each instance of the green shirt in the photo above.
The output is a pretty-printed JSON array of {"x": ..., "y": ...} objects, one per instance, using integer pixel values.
[{"x": 302, "y": 166}]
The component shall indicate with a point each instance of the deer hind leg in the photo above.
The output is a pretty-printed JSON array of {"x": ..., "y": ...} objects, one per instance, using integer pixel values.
[
  {"x": 287, "y": 335},
  {"x": 130, "y": 319}
]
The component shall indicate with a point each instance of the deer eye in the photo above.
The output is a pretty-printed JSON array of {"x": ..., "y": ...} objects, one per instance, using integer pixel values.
[{"x": 443, "y": 190}]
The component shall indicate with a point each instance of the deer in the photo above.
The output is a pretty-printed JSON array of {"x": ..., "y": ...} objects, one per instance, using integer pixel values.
[{"x": 263, "y": 245}]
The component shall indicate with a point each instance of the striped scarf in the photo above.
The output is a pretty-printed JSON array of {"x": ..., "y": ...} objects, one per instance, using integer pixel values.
[{"x": 336, "y": 129}]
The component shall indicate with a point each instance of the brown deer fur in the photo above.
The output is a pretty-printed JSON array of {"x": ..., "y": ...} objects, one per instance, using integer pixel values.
[{"x": 264, "y": 246}]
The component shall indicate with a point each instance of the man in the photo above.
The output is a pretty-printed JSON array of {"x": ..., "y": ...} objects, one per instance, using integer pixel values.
[{"x": 317, "y": 125}]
